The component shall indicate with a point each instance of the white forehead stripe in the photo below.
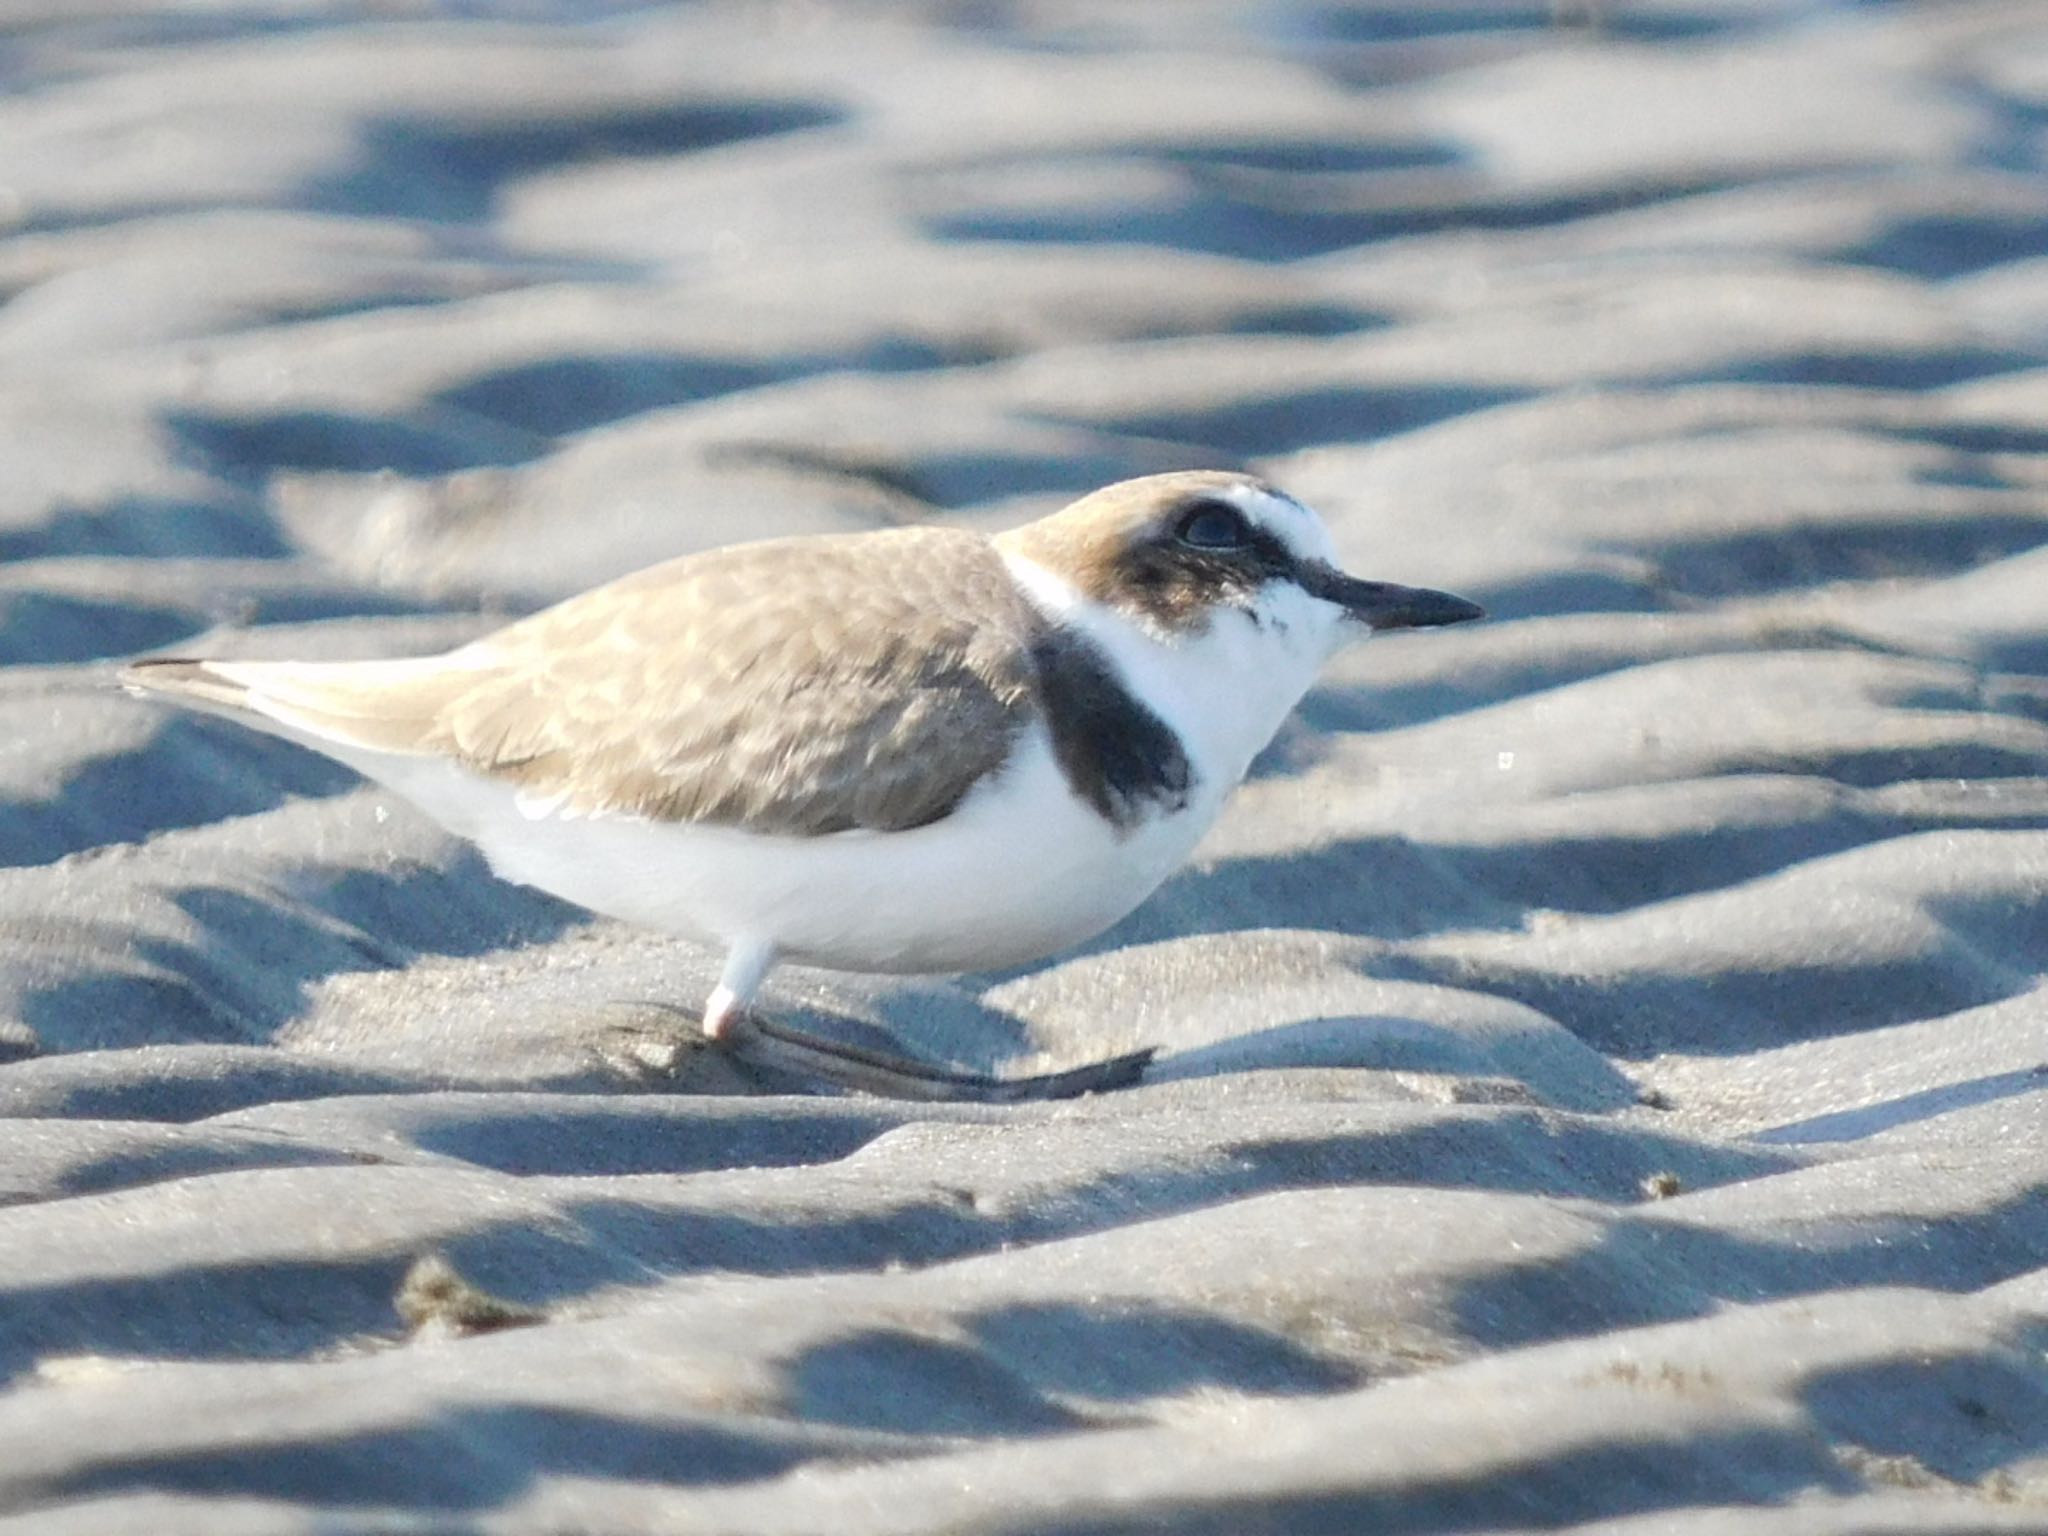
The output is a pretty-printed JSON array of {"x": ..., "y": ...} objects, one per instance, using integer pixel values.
[{"x": 1286, "y": 519}]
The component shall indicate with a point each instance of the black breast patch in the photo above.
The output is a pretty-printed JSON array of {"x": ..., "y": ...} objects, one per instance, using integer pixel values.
[{"x": 1116, "y": 754}]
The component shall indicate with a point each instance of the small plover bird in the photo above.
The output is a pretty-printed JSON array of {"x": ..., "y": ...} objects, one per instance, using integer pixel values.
[{"x": 911, "y": 750}]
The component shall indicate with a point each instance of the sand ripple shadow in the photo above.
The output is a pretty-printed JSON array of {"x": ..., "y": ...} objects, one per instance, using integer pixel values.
[
  {"x": 566, "y": 1238},
  {"x": 252, "y": 964},
  {"x": 1019, "y": 1367},
  {"x": 1962, "y": 1415},
  {"x": 1653, "y": 1269},
  {"x": 437, "y": 168},
  {"x": 460, "y": 1459},
  {"x": 190, "y": 774},
  {"x": 1649, "y": 1473}
]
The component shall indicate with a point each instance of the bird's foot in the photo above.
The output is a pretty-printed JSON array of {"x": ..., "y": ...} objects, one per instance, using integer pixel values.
[
  {"x": 745, "y": 1045},
  {"x": 753, "y": 1041}
]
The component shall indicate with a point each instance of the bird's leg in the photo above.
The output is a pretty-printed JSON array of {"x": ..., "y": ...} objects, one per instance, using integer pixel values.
[
  {"x": 731, "y": 1023},
  {"x": 747, "y": 964}
]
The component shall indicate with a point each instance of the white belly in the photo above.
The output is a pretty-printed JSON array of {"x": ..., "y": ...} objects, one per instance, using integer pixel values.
[{"x": 1020, "y": 870}]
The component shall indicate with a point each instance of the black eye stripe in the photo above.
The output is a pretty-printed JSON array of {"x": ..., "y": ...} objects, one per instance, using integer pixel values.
[
  {"x": 1272, "y": 557},
  {"x": 1176, "y": 582}
]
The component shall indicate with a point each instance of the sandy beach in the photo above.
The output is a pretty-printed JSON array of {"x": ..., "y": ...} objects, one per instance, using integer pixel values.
[{"x": 1602, "y": 1052}]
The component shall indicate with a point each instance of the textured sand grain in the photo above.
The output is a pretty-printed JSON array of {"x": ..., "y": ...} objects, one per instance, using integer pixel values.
[{"x": 1604, "y": 1051}]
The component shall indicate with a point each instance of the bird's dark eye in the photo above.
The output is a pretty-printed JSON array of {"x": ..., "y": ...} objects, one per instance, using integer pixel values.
[{"x": 1212, "y": 525}]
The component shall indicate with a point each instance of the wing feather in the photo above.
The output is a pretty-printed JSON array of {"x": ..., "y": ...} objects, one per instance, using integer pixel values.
[
  {"x": 805, "y": 687},
  {"x": 801, "y": 687}
]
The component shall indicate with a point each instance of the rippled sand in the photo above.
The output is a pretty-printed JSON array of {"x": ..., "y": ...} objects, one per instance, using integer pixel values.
[{"x": 1603, "y": 1053}]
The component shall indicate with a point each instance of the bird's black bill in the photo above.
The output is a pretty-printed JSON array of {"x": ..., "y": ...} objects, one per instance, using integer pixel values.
[{"x": 1384, "y": 605}]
